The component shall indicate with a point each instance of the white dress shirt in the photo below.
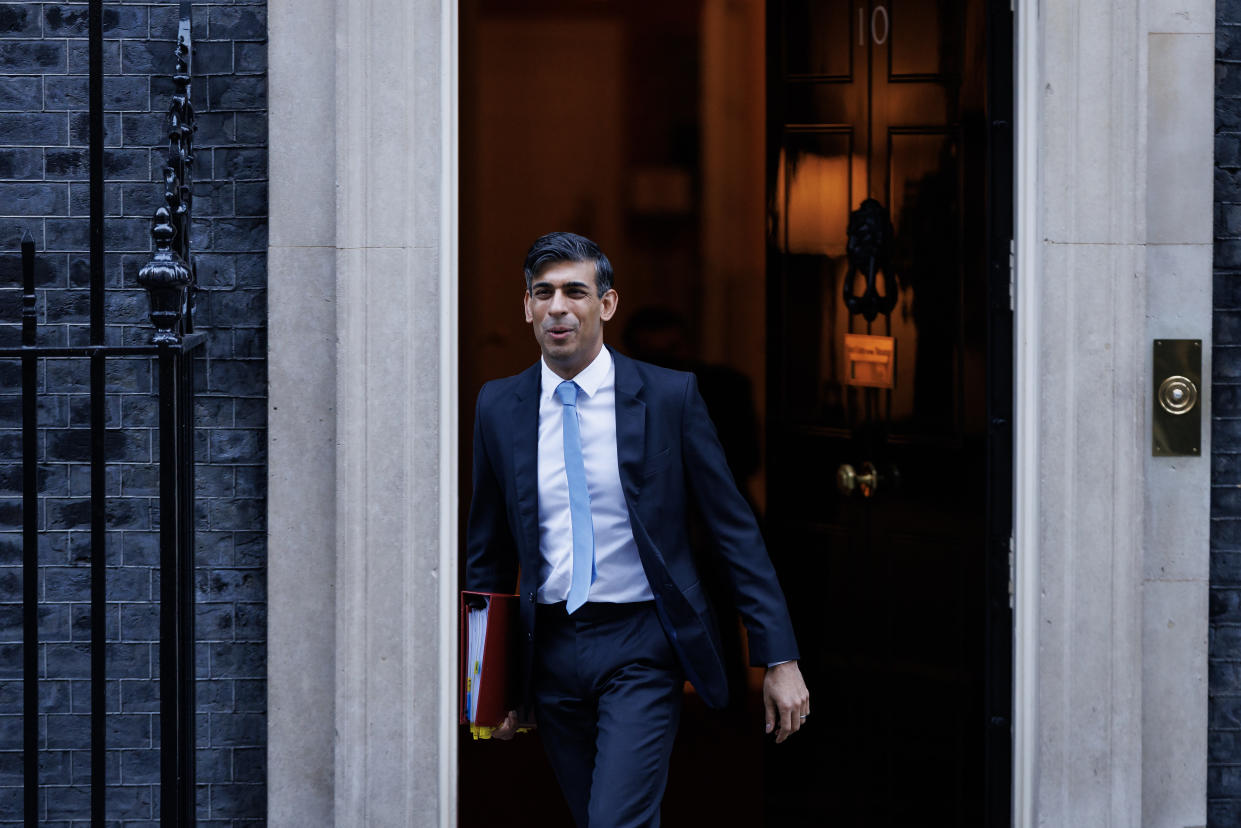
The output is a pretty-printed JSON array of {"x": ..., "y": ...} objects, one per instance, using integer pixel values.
[{"x": 621, "y": 578}]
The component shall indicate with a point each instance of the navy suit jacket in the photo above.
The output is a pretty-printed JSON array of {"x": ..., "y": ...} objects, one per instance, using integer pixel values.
[{"x": 668, "y": 453}]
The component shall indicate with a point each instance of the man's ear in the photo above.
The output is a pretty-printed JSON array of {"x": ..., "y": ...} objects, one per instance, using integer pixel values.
[
  {"x": 526, "y": 304},
  {"x": 609, "y": 303}
]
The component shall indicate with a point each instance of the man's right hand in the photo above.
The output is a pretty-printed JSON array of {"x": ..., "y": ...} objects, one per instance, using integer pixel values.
[{"x": 507, "y": 729}]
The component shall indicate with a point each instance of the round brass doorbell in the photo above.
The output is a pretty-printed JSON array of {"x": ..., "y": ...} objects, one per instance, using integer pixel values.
[
  {"x": 1176, "y": 381},
  {"x": 1178, "y": 395}
]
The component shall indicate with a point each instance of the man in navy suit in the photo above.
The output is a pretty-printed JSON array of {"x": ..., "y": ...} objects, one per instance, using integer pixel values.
[{"x": 585, "y": 466}]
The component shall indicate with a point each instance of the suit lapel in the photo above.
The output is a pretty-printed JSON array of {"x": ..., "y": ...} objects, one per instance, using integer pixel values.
[
  {"x": 630, "y": 427},
  {"x": 525, "y": 419}
]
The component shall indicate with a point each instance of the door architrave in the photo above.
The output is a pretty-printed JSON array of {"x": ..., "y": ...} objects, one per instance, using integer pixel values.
[{"x": 1025, "y": 412}]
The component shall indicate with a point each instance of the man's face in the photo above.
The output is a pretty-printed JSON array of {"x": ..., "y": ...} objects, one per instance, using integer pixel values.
[{"x": 568, "y": 314}]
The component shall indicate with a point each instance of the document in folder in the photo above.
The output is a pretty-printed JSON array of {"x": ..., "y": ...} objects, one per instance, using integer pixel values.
[{"x": 487, "y": 652}]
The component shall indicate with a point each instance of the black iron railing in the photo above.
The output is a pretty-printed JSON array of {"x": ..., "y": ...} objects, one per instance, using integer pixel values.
[{"x": 170, "y": 281}]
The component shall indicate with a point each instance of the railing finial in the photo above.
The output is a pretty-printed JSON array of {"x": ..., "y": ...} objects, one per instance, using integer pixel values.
[
  {"x": 170, "y": 275},
  {"x": 30, "y": 314},
  {"x": 167, "y": 281}
]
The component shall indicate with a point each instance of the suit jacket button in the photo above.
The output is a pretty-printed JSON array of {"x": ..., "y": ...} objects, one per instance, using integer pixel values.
[{"x": 529, "y": 636}]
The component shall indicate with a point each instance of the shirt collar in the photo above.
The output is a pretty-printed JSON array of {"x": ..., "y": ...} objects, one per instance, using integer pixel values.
[{"x": 589, "y": 379}]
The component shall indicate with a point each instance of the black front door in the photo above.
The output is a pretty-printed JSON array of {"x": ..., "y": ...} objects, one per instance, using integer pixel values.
[{"x": 887, "y": 307}]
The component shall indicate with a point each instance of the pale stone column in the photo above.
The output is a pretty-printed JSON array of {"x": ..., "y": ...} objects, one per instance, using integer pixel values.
[
  {"x": 1090, "y": 304},
  {"x": 1112, "y": 547},
  {"x": 1179, "y": 253},
  {"x": 363, "y": 430},
  {"x": 301, "y": 448}
]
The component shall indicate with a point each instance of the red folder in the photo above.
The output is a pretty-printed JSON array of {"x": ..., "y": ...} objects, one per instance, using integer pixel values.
[{"x": 495, "y": 691}]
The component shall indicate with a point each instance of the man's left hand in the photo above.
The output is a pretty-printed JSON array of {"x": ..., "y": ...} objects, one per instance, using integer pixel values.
[{"x": 786, "y": 699}]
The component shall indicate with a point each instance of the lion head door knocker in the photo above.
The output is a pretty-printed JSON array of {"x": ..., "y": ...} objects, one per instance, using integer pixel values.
[{"x": 869, "y": 251}]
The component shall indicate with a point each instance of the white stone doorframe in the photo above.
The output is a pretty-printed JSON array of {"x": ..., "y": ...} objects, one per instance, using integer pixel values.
[
  {"x": 1114, "y": 148},
  {"x": 1110, "y": 625},
  {"x": 362, "y": 444},
  {"x": 1025, "y": 389}
]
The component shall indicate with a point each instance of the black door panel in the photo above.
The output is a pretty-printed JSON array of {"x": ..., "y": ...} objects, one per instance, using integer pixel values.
[{"x": 889, "y": 584}]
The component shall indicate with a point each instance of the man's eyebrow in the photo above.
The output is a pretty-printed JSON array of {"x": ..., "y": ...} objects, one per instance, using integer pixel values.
[{"x": 566, "y": 285}]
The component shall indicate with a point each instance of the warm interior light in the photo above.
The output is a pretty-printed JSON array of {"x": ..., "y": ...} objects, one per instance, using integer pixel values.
[{"x": 813, "y": 208}]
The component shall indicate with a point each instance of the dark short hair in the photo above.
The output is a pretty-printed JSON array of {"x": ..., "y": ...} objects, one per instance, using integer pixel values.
[{"x": 556, "y": 247}]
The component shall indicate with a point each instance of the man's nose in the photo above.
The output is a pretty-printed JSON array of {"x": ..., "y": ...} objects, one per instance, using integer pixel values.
[{"x": 559, "y": 303}]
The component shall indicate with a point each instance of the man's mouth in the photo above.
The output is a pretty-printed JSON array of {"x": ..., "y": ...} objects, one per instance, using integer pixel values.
[{"x": 559, "y": 332}]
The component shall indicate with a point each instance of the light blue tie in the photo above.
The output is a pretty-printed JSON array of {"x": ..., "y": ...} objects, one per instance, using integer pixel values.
[{"x": 579, "y": 501}]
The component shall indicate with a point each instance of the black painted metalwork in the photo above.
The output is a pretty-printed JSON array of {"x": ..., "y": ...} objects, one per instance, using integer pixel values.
[
  {"x": 98, "y": 586},
  {"x": 98, "y": 392},
  {"x": 30, "y": 540},
  {"x": 869, "y": 250},
  {"x": 169, "y": 280},
  {"x": 151, "y": 351},
  {"x": 176, "y": 586},
  {"x": 97, "y": 171}
]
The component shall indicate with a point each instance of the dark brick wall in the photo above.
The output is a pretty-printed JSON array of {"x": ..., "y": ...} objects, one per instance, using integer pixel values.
[
  {"x": 1224, "y": 736},
  {"x": 43, "y": 172}
]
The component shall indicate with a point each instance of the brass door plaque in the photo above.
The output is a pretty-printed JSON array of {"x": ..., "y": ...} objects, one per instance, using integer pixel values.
[
  {"x": 870, "y": 361},
  {"x": 1176, "y": 421}
]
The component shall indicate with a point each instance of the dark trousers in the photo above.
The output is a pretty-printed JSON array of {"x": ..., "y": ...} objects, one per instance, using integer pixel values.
[{"x": 607, "y": 694}]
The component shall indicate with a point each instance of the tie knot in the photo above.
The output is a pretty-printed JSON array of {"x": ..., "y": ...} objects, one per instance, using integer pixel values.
[{"x": 567, "y": 391}]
